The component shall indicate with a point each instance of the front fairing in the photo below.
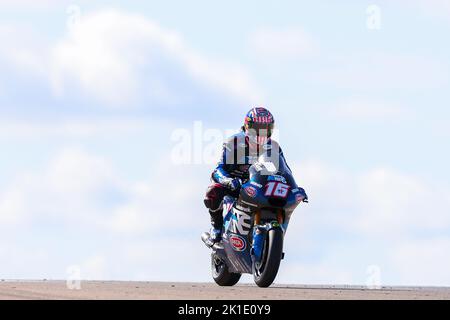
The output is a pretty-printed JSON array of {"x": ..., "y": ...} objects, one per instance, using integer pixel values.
[{"x": 255, "y": 193}]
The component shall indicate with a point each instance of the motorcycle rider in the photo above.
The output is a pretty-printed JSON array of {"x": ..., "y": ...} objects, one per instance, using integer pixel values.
[{"x": 239, "y": 152}]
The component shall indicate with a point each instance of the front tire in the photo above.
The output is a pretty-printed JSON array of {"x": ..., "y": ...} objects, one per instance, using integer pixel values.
[
  {"x": 264, "y": 272},
  {"x": 220, "y": 273}
]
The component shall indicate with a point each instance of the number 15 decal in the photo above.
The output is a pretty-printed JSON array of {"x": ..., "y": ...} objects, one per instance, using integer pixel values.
[{"x": 277, "y": 189}]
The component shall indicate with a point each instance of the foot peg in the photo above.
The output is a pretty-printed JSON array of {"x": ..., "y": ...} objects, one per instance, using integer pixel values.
[{"x": 206, "y": 238}]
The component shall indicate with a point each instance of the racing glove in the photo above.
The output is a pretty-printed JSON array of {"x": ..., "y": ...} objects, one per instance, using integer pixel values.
[
  {"x": 234, "y": 184},
  {"x": 304, "y": 194}
]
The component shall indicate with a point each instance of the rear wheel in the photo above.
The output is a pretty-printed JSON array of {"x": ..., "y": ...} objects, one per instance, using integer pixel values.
[
  {"x": 220, "y": 272},
  {"x": 264, "y": 272}
]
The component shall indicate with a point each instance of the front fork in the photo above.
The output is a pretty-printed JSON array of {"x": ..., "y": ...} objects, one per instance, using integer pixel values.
[{"x": 260, "y": 232}]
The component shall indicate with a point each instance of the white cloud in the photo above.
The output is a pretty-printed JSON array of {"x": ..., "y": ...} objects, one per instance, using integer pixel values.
[
  {"x": 29, "y": 130},
  {"x": 22, "y": 49},
  {"x": 315, "y": 273},
  {"x": 20, "y": 262},
  {"x": 379, "y": 201},
  {"x": 27, "y": 3},
  {"x": 433, "y": 8},
  {"x": 74, "y": 171},
  {"x": 63, "y": 188},
  {"x": 116, "y": 57},
  {"x": 378, "y": 206},
  {"x": 94, "y": 268},
  {"x": 361, "y": 109},
  {"x": 381, "y": 216},
  {"x": 77, "y": 187},
  {"x": 66, "y": 191},
  {"x": 281, "y": 44},
  {"x": 11, "y": 207},
  {"x": 423, "y": 261},
  {"x": 396, "y": 203},
  {"x": 177, "y": 258},
  {"x": 323, "y": 182},
  {"x": 387, "y": 71},
  {"x": 149, "y": 221}
]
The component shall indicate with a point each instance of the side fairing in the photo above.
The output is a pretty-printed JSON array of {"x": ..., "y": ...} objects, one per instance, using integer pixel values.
[{"x": 236, "y": 237}]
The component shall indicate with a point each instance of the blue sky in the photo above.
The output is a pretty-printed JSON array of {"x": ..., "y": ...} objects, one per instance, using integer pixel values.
[{"x": 89, "y": 104}]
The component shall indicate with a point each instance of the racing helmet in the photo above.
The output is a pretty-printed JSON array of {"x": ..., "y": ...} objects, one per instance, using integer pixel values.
[{"x": 258, "y": 125}]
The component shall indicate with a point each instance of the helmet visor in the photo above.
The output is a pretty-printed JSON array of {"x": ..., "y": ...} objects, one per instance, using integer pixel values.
[{"x": 260, "y": 129}]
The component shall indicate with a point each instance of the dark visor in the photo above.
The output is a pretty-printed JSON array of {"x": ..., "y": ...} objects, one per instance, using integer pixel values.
[{"x": 260, "y": 129}]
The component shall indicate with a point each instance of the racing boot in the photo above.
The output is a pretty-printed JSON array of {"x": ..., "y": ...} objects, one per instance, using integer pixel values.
[{"x": 215, "y": 233}]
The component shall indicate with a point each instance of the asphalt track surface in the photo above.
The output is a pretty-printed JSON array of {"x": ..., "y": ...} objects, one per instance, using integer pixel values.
[{"x": 37, "y": 290}]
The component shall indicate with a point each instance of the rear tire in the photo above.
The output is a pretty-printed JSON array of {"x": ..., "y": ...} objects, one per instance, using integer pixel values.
[
  {"x": 220, "y": 273},
  {"x": 264, "y": 273}
]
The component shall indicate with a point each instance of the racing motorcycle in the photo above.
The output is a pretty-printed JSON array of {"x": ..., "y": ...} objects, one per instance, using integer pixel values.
[{"x": 255, "y": 224}]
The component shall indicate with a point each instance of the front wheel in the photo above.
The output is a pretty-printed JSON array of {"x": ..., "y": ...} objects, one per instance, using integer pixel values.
[
  {"x": 264, "y": 272},
  {"x": 220, "y": 273}
]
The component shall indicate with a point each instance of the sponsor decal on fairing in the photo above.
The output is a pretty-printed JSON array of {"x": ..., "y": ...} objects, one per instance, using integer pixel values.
[
  {"x": 238, "y": 243},
  {"x": 251, "y": 191}
]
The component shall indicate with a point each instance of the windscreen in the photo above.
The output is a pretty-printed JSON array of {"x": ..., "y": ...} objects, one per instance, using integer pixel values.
[{"x": 270, "y": 165}]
